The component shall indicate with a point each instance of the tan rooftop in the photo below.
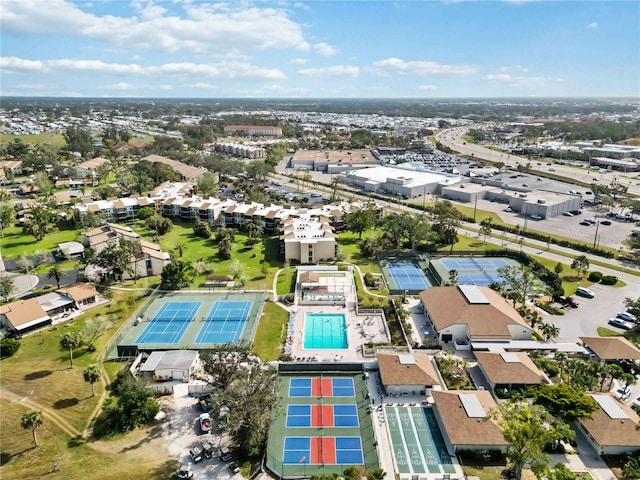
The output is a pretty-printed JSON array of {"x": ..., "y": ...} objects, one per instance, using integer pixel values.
[
  {"x": 447, "y": 306},
  {"x": 79, "y": 292},
  {"x": 463, "y": 429},
  {"x": 609, "y": 431},
  {"x": 612, "y": 348},
  {"x": 500, "y": 371},
  {"x": 23, "y": 311},
  {"x": 393, "y": 372}
]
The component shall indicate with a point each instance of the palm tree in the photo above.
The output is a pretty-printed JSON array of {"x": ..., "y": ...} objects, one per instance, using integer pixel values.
[
  {"x": 550, "y": 331},
  {"x": 70, "y": 341},
  {"x": 224, "y": 247},
  {"x": 180, "y": 246},
  {"x": 92, "y": 374},
  {"x": 31, "y": 421},
  {"x": 453, "y": 277},
  {"x": 560, "y": 358},
  {"x": 55, "y": 273}
]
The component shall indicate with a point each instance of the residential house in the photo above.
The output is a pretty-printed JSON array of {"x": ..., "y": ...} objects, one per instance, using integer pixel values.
[
  {"x": 466, "y": 316},
  {"x": 23, "y": 316},
  {"x": 89, "y": 167},
  {"x": 84, "y": 295},
  {"x": 403, "y": 375},
  {"x": 187, "y": 172}
]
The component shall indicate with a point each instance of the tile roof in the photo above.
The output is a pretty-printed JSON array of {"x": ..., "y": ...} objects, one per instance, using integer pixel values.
[
  {"x": 79, "y": 292},
  {"x": 499, "y": 371},
  {"x": 23, "y": 311},
  {"x": 393, "y": 372},
  {"x": 612, "y": 348},
  {"x": 309, "y": 276},
  {"x": 608, "y": 431},
  {"x": 447, "y": 306},
  {"x": 462, "y": 429}
]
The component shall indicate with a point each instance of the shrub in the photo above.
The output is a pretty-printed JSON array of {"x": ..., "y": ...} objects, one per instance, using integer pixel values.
[
  {"x": 8, "y": 347},
  {"x": 609, "y": 280},
  {"x": 202, "y": 229},
  {"x": 145, "y": 213},
  {"x": 595, "y": 277},
  {"x": 369, "y": 279}
]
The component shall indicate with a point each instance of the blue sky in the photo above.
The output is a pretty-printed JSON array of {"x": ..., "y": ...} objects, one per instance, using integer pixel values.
[{"x": 319, "y": 49}]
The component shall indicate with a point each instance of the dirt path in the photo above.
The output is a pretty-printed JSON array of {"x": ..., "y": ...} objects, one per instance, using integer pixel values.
[{"x": 48, "y": 413}]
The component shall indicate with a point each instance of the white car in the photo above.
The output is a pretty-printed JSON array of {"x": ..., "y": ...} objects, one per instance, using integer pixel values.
[
  {"x": 535, "y": 216},
  {"x": 205, "y": 423},
  {"x": 623, "y": 393},
  {"x": 626, "y": 316},
  {"x": 585, "y": 292}
]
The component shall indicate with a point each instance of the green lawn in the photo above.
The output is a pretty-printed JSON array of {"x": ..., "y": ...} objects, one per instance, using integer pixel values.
[
  {"x": 271, "y": 332},
  {"x": 40, "y": 371},
  {"x": 285, "y": 281},
  {"x": 15, "y": 242},
  {"x": 607, "y": 332},
  {"x": 37, "y": 138}
]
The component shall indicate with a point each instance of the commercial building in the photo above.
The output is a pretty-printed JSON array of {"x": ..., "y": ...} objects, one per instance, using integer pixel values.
[
  {"x": 408, "y": 181},
  {"x": 253, "y": 130},
  {"x": 332, "y": 161},
  {"x": 407, "y": 374}
]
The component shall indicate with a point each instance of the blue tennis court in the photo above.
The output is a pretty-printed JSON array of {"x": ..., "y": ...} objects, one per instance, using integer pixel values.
[
  {"x": 408, "y": 276},
  {"x": 322, "y": 387},
  {"x": 170, "y": 323},
  {"x": 327, "y": 415},
  {"x": 479, "y": 279},
  {"x": 473, "y": 263},
  {"x": 225, "y": 322},
  {"x": 323, "y": 450}
]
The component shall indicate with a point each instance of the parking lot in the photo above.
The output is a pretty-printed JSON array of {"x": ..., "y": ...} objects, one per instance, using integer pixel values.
[{"x": 182, "y": 431}]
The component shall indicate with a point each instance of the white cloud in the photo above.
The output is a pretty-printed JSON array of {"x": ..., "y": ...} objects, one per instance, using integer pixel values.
[
  {"x": 299, "y": 61},
  {"x": 118, "y": 86},
  {"x": 204, "y": 86},
  {"x": 515, "y": 81},
  {"x": 15, "y": 64},
  {"x": 335, "y": 71},
  {"x": 427, "y": 87},
  {"x": 225, "y": 69},
  {"x": 422, "y": 69},
  {"x": 514, "y": 68},
  {"x": 324, "y": 49},
  {"x": 593, "y": 25},
  {"x": 31, "y": 86},
  {"x": 214, "y": 29}
]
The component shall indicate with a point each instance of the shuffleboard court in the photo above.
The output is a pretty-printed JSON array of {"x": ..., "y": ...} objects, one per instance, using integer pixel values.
[
  {"x": 323, "y": 450},
  {"x": 330, "y": 416},
  {"x": 417, "y": 443},
  {"x": 169, "y": 323},
  {"x": 225, "y": 322},
  {"x": 321, "y": 387}
]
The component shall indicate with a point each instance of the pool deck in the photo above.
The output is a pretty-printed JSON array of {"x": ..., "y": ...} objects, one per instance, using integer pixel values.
[{"x": 361, "y": 329}]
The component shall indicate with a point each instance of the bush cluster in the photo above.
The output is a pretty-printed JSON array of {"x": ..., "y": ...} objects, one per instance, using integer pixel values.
[
  {"x": 609, "y": 280},
  {"x": 595, "y": 277},
  {"x": 8, "y": 347}
]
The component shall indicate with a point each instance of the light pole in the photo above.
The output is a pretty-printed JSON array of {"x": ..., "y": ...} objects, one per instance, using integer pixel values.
[{"x": 475, "y": 208}]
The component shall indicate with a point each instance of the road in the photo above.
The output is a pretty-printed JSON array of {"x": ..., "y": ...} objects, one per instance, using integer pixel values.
[{"x": 453, "y": 138}]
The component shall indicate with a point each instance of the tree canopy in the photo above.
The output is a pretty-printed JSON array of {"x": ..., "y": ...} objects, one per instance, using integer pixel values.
[{"x": 565, "y": 401}]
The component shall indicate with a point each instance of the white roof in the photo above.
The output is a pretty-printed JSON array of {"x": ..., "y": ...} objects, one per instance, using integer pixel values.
[{"x": 170, "y": 359}]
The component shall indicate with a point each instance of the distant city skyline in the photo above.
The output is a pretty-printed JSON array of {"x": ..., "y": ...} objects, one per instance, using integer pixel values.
[{"x": 319, "y": 49}]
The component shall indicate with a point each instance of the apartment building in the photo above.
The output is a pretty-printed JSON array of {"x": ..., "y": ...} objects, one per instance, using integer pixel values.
[
  {"x": 253, "y": 130},
  {"x": 308, "y": 240}
]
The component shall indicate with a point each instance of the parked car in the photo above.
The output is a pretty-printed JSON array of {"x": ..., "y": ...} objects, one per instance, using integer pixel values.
[
  {"x": 535, "y": 216},
  {"x": 508, "y": 209},
  {"x": 205, "y": 422},
  {"x": 224, "y": 454},
  {"x": 626, "y": 316},
  {"x": 584, "y": 222},
  {"x": 233, "y": 467},
  {"x": 196, "y": 454},
  {"x": 605, "y": 222},
  {"x": 585, "y": 292},
  {"x": 568, "y": 214},
  {"x": 184, "y": 472},
  {"x": 204, "y": 401},
  {"x": 569, "y": 301},
  {"x": 636, "y": 402},
  {"x": 207, "y": 450},
  {"x": 590, "y": 220},
  {"x": 623, "y": 392},
  {"x": 576, "y": 212},
  {"x": 619, "y": 323}
]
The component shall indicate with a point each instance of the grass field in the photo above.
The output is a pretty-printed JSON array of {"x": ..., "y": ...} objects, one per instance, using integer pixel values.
[
  {"x": 40, "y": 372},
  {"x": 15, "y": 242},
  {"x": 270, "y": 335},
  {"x": 36, "y": 138}
]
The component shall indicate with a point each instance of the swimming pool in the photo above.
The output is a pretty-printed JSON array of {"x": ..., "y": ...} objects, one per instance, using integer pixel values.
[{"x": 325, "y": 331}]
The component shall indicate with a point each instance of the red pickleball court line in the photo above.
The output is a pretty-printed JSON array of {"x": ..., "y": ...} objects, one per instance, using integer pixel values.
[{"x": 322, "y": 416}]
